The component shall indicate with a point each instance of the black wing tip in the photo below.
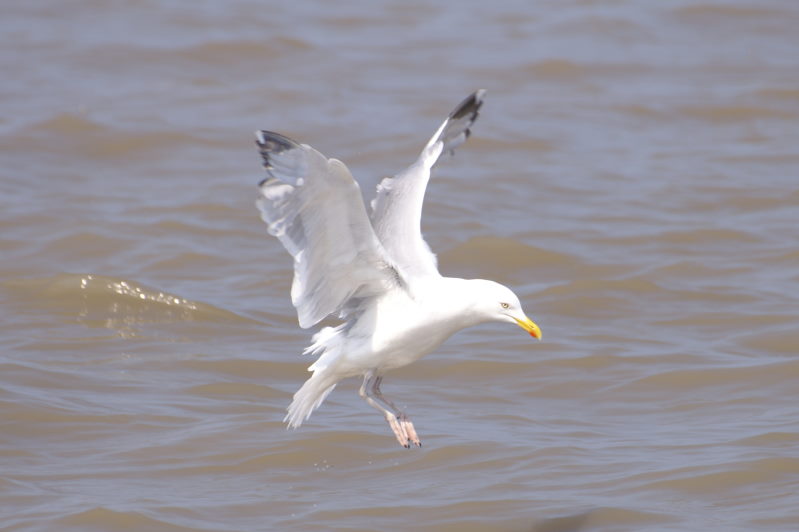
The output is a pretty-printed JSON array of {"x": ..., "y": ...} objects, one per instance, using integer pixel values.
[
  {"x": 469, "y": 106},
  {"x": 269, "y": 143},
  {"x": 274, "y": 142}
]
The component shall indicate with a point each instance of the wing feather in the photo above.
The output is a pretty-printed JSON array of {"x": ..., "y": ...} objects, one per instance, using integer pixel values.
[
  {"x": 313, "y": 206},
  {"x": 397, "y": 207}
]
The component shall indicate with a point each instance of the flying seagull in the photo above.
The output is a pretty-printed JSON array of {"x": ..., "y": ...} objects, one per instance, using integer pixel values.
[{"x": 373, "y": 271}]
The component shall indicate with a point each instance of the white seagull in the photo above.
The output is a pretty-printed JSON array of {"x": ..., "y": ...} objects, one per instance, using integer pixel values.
[{"x": 374, "y": 272}]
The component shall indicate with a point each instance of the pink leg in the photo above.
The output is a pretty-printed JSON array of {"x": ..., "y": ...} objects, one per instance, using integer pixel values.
[{"x": 397, "y": 420}]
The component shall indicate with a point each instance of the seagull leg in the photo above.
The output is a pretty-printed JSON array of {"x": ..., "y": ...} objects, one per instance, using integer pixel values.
[
  {"x": 402, "y": 418},
  {"x": 397, "y": 420}
]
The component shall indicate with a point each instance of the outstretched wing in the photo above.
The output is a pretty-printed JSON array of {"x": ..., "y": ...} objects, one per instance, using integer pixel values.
[
  {"x": 397, "y": 208},
  {"x": 314, "y": 206}
]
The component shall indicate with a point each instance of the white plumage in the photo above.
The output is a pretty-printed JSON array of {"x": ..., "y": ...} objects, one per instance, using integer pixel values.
[{"x": 375, "y": 273}]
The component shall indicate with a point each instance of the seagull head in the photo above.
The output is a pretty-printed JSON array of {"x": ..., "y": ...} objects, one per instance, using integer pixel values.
[{"x": 498, "y": 303}]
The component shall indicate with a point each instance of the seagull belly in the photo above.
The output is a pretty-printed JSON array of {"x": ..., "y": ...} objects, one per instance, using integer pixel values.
[{"x": 397, "y": 332}]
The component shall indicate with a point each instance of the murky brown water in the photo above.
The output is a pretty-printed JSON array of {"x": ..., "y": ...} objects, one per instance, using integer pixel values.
[{"x": 634, "y": 176}]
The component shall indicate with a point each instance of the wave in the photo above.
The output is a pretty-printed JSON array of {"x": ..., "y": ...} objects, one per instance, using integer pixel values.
[
  {"x": 508, "y": 260},
  {"x": 97, "y": 300},
  {"x": 75, "y": 134}
]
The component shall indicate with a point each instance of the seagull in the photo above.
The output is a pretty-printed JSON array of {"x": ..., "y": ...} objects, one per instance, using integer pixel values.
[{"x": 371, "y": 270}]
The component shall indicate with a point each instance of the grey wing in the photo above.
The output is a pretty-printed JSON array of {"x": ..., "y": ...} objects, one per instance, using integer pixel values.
[
  {"x": 397, "y": 207},
  {"x": 314, "y": 206}
]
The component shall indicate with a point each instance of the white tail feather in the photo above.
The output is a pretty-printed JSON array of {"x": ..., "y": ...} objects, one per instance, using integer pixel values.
[{"x": 309, "y": 397}]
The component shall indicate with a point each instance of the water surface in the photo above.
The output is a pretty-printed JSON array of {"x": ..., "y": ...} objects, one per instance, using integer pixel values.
[{"x": 633, "y": 176}]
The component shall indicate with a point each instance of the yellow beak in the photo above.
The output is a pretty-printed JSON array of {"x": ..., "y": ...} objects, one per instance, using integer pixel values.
[{"x": 529, "y": 325}]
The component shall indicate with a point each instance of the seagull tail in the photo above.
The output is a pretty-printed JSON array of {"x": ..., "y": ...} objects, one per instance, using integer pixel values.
[
  {"x": 327, "y": 343},
  {"x": 309, "y": 397}
]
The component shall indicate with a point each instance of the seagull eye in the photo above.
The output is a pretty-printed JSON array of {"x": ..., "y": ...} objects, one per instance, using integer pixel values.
[{"x": 505, "y": 305}]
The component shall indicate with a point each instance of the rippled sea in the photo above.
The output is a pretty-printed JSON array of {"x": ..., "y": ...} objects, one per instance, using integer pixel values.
[{"x": 634, "y": 177}]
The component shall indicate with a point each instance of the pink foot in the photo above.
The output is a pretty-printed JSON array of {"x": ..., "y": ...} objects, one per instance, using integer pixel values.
[{"x": 403, "y": 430}]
